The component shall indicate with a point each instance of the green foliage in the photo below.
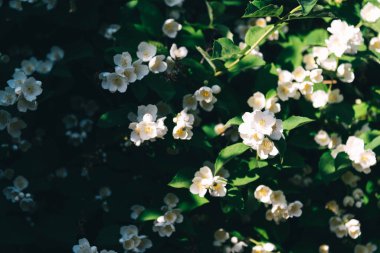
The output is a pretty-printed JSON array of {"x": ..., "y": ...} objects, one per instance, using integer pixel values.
[
  {"x": 295, "y": 121},
  {"x": 228, "y": 153}
]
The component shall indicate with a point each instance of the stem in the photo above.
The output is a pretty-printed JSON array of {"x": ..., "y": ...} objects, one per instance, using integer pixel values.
[{"x": 206, "y": 57}]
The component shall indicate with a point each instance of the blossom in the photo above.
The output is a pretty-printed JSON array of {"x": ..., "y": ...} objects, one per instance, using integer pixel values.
[
  {"x": 220, "y": 236},
  {"x": 30, "y": 89},
  {"x": 147, "y": 127},
  {"x": 319, "y": 98},
  {"x": 171, "y": 200},
  {"x": 204, "y": 181},
  {"x": 128, "y": 73},
  {"x": 286, "y": 91},
  {"x": 172, "y": 3},
  {"x": 136, "y": 211},
  {"x": 370, "y": 13},
  {"x": 295, "y": 209},
  {"x": 272, "y": 105},
  {"x": 18, "y": 80},
  {"x": 157, "y": 64},
  {"x": 204, "y": 94},
  {"x": 123, "y": 60},
  {"x": 44, "y": 67},
  {"x": 5, "y": 118},
  {"x": 15, "y": 126},
  {"x": 84, "y": 247},
  {"x": 178, "y": 53},
  {"x": 299, "y": 74},
  {"x": 189, "y": 102},
  {"x": 170, "y": 28},
  {"x": 257, "y": 101},
  {"x": 146, "y": 51},
  {"x": 353, "y": 228},
  {"x": 7, "y": 96},
  {"x": 335, "y": 96},
  {"x": 368, "y": 248},
  {"x": 131, "y": 240},
  {"x": 184, "y": 124},
  {"x": 55, "y": 54},
  {"x": 345, "y": 73},
  {"x": 29, "y": 66},
  {"x": 140, "y": 69},
  {"x": 374, "y": 44},
  {"x": 263, "y": 193},
  {"x": 264, "y": 248},
  {"x": 114, "y": 82},
  {"x": 316, "y": 76}
]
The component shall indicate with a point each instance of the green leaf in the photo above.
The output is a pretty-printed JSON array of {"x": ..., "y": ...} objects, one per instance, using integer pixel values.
[
  {"x": 209, "y": 130},
  {"x": 271, "y": 93},
  {"x": 326, "y": 164},
  {"x": 295, "y": 121},
  {"x": 374, "y": 143},
  {"x": 233, "y": 201},
  {"x": 270, "y": 10},
  {"x": 192, "y": 202},
  {"x": 149, "y": 214},
  {"x": 307, "y": 5},
  {"x": 224, "y": 49},
  {"x": 228, "y": 153},
  {"x": 256, "y": 34},
  {"x": 244, "y": 180},
  {"x": 247, "y": 62},
  {"x": 331, "y": 169},
  {"x": 151, "y": 17},
  {"x": 342, "y": 161},
  {"x": 235, "y": 121},
  {"x": 182, "y": 179},
  {"x": 316, "y": 37},
  {"x": 360, "y": 110},
  {"x": 214, "y": 9}
]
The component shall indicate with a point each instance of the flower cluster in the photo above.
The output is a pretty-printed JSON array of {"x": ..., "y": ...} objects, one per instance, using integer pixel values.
[
  {"x": 204, "y": 181},
  {"x": 204, "y": 96},
  {"x": 17, "y": 4},
  {"x": 259, "y": 102},
  {"x": 132, "y": 241},
  {"x": 259, "y": 129},
  {"x": 84, "y": 246},
  {"x": 356, "y": 199},
  {"x": 164, "y": 224},
  {"x": 25, "y": 89},
  {"x": 326, "y": 140},
  {"x": 345, "y": 225},
  {"x": 184, "y": 125},
  {"x": 220, "y": 240},
  {"x": 362, "y": 159},
  {"x": 280, "y": 210},
  {"x": 146, "y": 125},
  {"x": 16, "y": 194}
]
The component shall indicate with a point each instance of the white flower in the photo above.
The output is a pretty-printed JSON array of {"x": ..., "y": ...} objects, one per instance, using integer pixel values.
[
  {"x": 157, "y": 64},
  {"x": 5, "y": 118},
  {"x": 264, "y": 121},
  {"x": 123, "y": 60},
  {"x": 286, "y": 91},
  {"x": 220, "y": 236},
  {"x": 18, "y": 80},
  {"x": 189, "y": 102},
  {"x": 354, "y": 147},
  {"x": 257, "y": 101},
  {"x": 348, "y": 201},
  {"x": 364, "y": 161},
  {"x": 178, "y": 53},
  {"x": 7, "y": 96},
  {"x": 250, "y": 135},
  {"x": 15, "y": 126},
  {"x": 24, "y": 105},
  {"x": 115, "y": 82},
  {"x": 295, "y": 209},
  {"x": 20, "y": 183},
  {"x": 309, "y": 61},
  {"x": 204, "y": 181},
  {"x": 141, "y": 70},
  {"x": 320, "y": 53},
  {"x": 29, "y": 66},
  {"x": 146, "y": 51},
  {"x": 277, "y": 130},
  {"x": 216, "y": 89},
  {"x": 306, "y": 87},
  {"x": 322, "y": 138},
  {"x": 263, "y": 193},
  {"x": 171, "y": 28},
  {"x": 335, "y": 96},
  {"x": 204, "y": 94},
  {"x": 350, "y": 179},
  {"x": 44, "y": 67},
  {"x": 329, "y": 64},
  {"x": 353, "y": 228},
  {"x": 183, "y": 129},
  {"x": 284, "y": 77},
  {"x": 147, "y": 127},
  {"x": 56, "y": 54},
  {"x": 136, "y": 211},
  {"x": 374, "y": 44},
  {"x": 131, "y": 240},
  {"x": 345, "y": 73},
  {"x": 368, "y": 248},
  {"x": 316, "y": 76},
  {"x": 299, "y": 74},
  {"x": 319, "y": 98},
  {"x": 272, "y": 105},
  {"x": 128, "y": 73},
  {"x": 172, "y": 3},
  {"x": 324, "y": 248},
  {"x": 370, "y": 13},
  {"x": 84, "y": 247},
  {"x": 264, "y": 248},
  {"x": 31, "y": 88},
  {"x": 266, "y": 148},
  {"x": 171, "y": 200}
]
